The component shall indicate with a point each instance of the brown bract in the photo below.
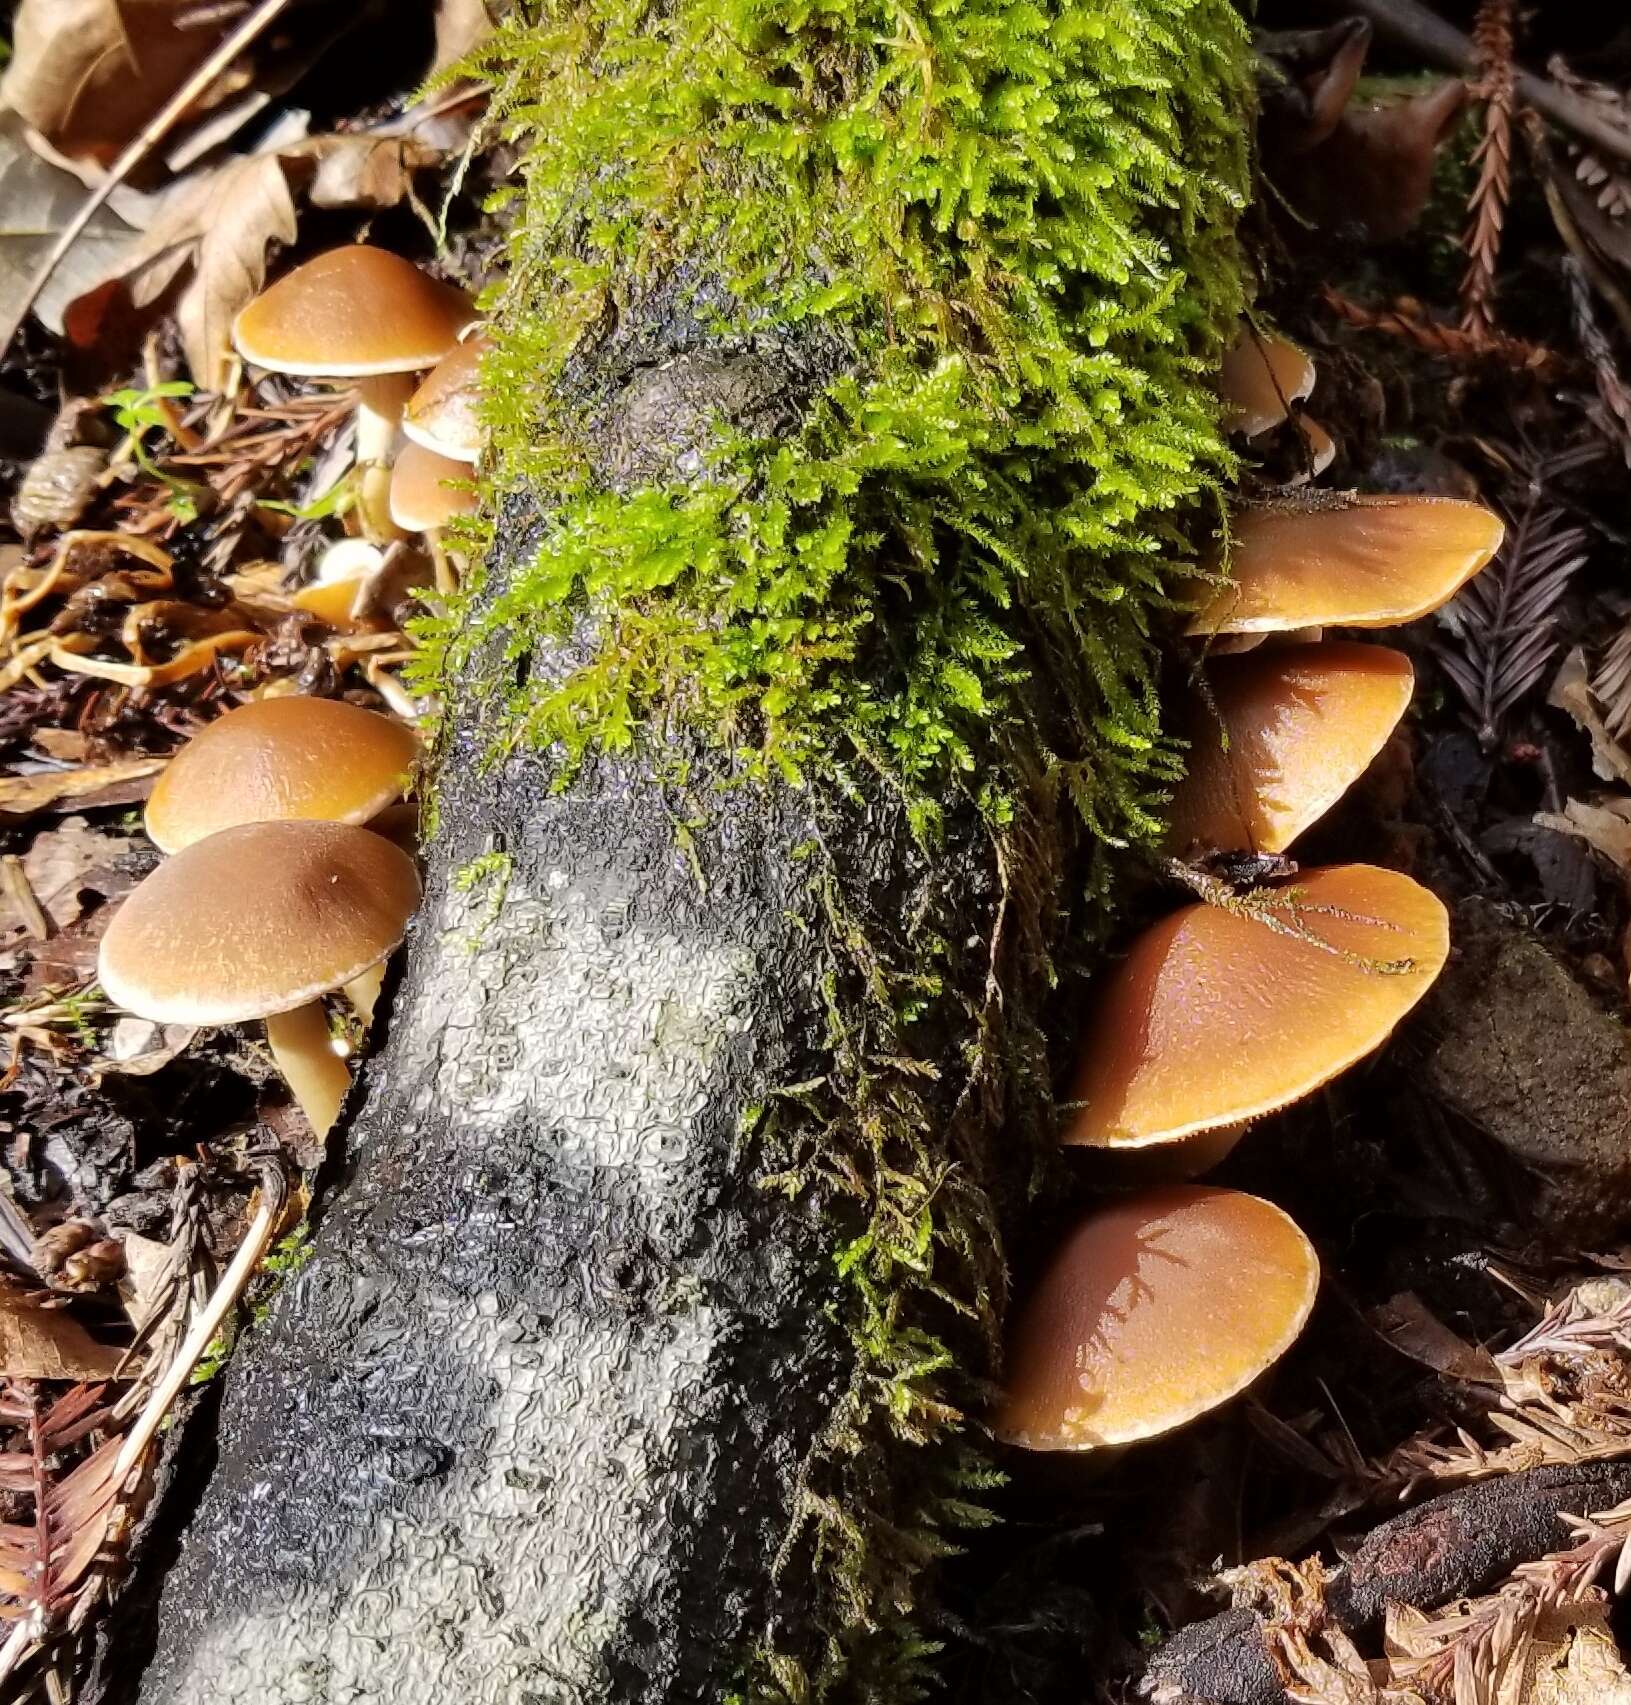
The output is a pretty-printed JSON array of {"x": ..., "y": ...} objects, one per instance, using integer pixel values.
[
  {"x": 428, "y": 490},
  {"x": 257, "y": 920},
  {"x": 443, "y": 414},
  {"x": 281, "y": 758},
  {"x": 1216, "y": 1017},
  {"x": 1153, "y": 1312},
  {"x": 352, "y": 313},
  {"x": 1278, "y": 737},
  {"x": 1260, "y": 378},
  {"x": 1346, "y": 560}
]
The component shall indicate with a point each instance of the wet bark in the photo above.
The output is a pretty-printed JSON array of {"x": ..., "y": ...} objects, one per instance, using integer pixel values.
[{"x": 532, "y": 1423}]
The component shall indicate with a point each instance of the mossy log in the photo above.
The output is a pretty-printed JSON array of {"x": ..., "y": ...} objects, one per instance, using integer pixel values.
[{"x": 852, "y": 407}]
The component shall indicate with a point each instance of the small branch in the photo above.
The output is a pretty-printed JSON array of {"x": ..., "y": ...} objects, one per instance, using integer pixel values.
[
  {"x": 1413, "y": 25},
  {"x": 151, "y": 134}
]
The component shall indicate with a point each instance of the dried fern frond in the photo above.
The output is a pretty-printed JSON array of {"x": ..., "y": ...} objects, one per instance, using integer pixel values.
[
  {"x": 1595, "y": 345},
  {"x": 1450, "y": 342},
  {"x": 1492, "y": 36},
  {"x": 1611, "y": 683},
  {"x": 1609, "y": 180},
  {"x": 1501, "y": 627}
]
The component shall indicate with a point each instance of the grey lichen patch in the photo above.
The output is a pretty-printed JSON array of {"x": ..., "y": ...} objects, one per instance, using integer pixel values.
[{"x": 497, "y": 1587}]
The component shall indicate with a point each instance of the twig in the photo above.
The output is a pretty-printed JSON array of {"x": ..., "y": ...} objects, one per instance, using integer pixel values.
[
  {"x": 151, "y": 134},
  {"x": 1493, "y": 158},
  {"x": 1414, "y": 26}
]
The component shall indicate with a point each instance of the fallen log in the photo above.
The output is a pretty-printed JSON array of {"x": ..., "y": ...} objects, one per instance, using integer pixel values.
[{"x": 807, "y": 681}]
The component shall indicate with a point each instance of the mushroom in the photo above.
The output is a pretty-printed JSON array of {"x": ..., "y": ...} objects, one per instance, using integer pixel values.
[
  {"x": 281, "y": 758},
  {"x": 1278, "y": 737},
  {"x": 357, "y": 313},
  {"x": 1261, "y": 378},
  {"x": 443, "y": 414},
  {"x": 1218, "y": 1015},
  {"x": 346, "y": 567},
  {"x": 261, "y": 921},
  {"x": 429, "y": 489},
  {"x": 1153, "y": 1312},
  {"x": 1339, "y": 559}
]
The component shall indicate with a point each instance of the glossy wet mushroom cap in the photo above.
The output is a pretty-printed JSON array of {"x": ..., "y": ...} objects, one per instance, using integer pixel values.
[
  {"x": 1342, "y": 560},
  {"x": 282, "y": 758},
  {"x": 1262, "y": 375},
  {"x": 353, "y": 312},
  {"x": 1153, "y": 1312},
  {"x": 444, "y": 414},
  {"x": 428, "y": 490},
  {"x": 1276, "y": 739},
  {"x": 257, "y": 920},
  {"x": 1216, "y": 1018}
]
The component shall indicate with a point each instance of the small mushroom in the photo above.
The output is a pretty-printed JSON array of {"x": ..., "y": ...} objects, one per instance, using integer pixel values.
[
  {"x": 429, "y": 489},
  {"x": 444, "y": 413},
  {"x": 1278, "y": 737},
  {"x": 1261, "y": 378},
  {"x": 1340, "y": 559},
  {"x": 1218, "y": 1015},
  {"x": 262, "y": 921},
  {"x": 281, "y": 758},
  {"x": 1153, "y": 1312},
  {"x": 357, "y": 313}
]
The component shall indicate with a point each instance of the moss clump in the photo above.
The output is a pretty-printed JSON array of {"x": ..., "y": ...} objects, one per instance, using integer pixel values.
[
  {"x": 1018, "y": 219},
  {"x": 1008, "y": 228}
]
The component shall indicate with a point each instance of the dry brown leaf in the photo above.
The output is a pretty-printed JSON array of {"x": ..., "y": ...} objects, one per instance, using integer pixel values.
[
  {"x": 1571, "y": 691},
  {"x": 1587, "y": 1670},
  {"x": 461, "y": 25},
  {"x": 1413, "y": 1330},
  {"x": 48, "y": 1343},
  {"x": 147, "y": 1270},
  {"x": 88, "y": 74},
  {"x": 1606, "y": 828},
  {"x": 224, "y": 223},
  {"x": 23, "y": 796},
  {"x": 63, "y": 865},
  {"x": 138, "y": 1048}
]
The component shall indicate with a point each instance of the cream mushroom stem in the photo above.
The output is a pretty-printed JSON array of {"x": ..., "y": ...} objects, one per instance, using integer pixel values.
[
  {"x": 317, "y": 1077},
  {"x": 381, "y": 398},
  {"x": 363, "y": 993}
]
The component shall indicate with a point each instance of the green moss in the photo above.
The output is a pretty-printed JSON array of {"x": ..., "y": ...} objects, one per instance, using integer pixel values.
[{"x": 1014, "y": 223}]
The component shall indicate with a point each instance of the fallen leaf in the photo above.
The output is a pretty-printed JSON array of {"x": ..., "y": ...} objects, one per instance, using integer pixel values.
[
  {"x": 1413, "y": 1330},
  {"x": 147, "y": 1270},
  {"x": 461, "y": 25},
  {"x": 48, "y": 1343},
  {"x": 1606, "y": 828},
  {"x": 64, "y": 864},
  {"x": 1586, "y": 1670},
  {"x": 88, "y": 74},
  {"x": 1571, "y": 692},
  {"x": 138, "y": 1048},
  {"x": 24, "y": 796},
  {"x": 37, "y": 200},
  {"x": 222, "y": 225}
]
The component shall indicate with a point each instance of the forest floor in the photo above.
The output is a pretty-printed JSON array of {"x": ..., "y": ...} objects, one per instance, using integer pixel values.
[{"x": 1465, "y": 292}]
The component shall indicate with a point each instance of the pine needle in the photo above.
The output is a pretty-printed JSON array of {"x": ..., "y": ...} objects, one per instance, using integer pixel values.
[
  {"x": 1502, "y": 627},
  {"x": 1492, "y": 35}
]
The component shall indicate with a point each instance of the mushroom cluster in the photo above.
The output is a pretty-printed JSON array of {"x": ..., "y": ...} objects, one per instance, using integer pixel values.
[
  {"x": 411, "y": 346},
  {"x": 1166, "y": 1304},
  {"x": 275, "y": 893}
]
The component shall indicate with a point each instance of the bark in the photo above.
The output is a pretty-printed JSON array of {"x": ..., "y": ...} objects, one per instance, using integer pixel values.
[
  {"x": 533, "y": 1422},
  {"x": 1453, "y": 1546}
]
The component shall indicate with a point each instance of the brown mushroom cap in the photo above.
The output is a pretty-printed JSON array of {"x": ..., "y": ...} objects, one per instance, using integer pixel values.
[
  {"x": 1301, "y": 723},
  {"x": 281, "y": 758},
  {"x": 428, "y": 489},
  {"x": 1259, "y": 378},
  {"x": 444, "y": 413},
  {"x": 352, "y": 313},
  {"x": 1347, "y": 561},
  {"x": 1154, "y": 1311},
  {"x": 257, "y": 920},
  {"x": 1214, "y": 1017}
]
